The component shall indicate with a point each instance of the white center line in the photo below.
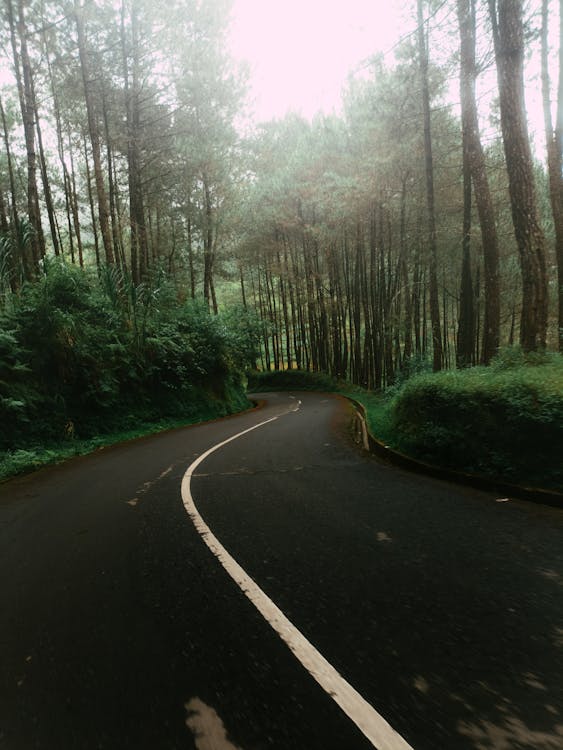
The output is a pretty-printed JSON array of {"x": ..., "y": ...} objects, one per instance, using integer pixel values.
[{"x": 377, "y": 730}]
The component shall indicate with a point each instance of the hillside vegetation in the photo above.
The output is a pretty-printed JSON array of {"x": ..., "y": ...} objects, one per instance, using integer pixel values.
[
  {"x": 505, "y": 421},
  {"x": 82, "y": 356}
]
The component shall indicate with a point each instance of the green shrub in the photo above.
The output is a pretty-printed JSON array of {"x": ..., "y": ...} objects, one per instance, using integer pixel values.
[
  {"x": 82, "y": 355},
  {"x": 512, "y": 357},
  {"x": 295, "y": 380},
  {"x": 506, "y": 421}
]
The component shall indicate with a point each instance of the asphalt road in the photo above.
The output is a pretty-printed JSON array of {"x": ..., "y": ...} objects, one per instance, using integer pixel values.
[{"x": 119, "y": 629}]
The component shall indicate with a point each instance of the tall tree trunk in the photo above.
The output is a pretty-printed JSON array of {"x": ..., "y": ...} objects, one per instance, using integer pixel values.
[
  {"x": 91, "y": 204},
  {"x": 242, "y": 286},
  {"x": 191, "y": 256},
  {"x": 74, "y": 206},
  {"x": 375, "y": 311},
  {"x": 4, "y": 224},
  {"x": 357, "y": 307},
  {"x": 68, "y": 208},
  {"x": 115, "y": 234},
  {"x": 47, "y": 190},
  {"x": 283, "y": 300},
  {"x": 93, "y": 129},
  {"x": 508, "y": 33},
  {"x": 554, "y": 143},
  {"x": 477, "y": 167},
  {"x": 16, "y": 259},
  {"x": 207, "y": 243},
  {"x": 24, "y": 84},
  {"x": 139, "y": 249},
  {"x": 118, "y": 214},
  {"x": 11, "y": 175},
  {"x": 60, "y": 148},
  {"x": 45, "y": 178},
  {"x": 8, "y": 259},
  {"x": 466, "y": 325},
  {"x": 416, "y": 300},
  {"x": 429, "y": 169},
  {"x": 405, "y": 291}
]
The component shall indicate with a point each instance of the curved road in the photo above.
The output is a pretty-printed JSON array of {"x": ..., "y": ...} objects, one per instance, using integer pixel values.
[{"x": 440, "y": 605}]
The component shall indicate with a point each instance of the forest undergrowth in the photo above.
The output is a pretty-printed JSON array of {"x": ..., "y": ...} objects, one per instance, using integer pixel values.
[{"x": 88, "y": 360}]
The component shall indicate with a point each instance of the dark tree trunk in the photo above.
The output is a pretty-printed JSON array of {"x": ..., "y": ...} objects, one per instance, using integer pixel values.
[
  {"x": 465, "y": 347},
  {"x": 74, "y": 205},
  {"x": 93, "y": 129},
  {"x": 4, "y": 224},
  {"x": 405, "y": 291},
  {"x": 91, "y": 204},
  {"x": 191, "y": 258},
  {"x": 22, "y": 66},
  {"x": 508, "y": 31},
  {"x": 60, "y": 150},
  {"x": 429, "y": 169},
  {"x": 477, "y": 167},
  {"x": 115, "y": 234},
  {"x": 242, "y": 287},
  {"x": 139, "y": 245},
  {"x": 207, "y": 244},
  {"x": 46, "y": 185},
  {"x": 16, "y": 270},
  {"x": 554, "y": 142}
]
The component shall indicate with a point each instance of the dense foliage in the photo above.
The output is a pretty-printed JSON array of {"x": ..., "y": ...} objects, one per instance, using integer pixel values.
[
  {"x": 361, "y": 246},
  {"x": 505, "y": 421},
  {"x": 81, "y": 355},
  {"x": 283, "y": 380}
]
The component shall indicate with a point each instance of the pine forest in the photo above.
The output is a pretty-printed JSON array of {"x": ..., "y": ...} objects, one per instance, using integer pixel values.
[{"x": 156, "y": 243}]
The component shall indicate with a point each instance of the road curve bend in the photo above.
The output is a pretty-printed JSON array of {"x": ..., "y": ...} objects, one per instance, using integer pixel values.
[{"x": 440, "y": 606}]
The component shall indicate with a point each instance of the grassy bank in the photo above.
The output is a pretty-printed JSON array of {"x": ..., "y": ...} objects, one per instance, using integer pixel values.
[
  {"x": 504, "y": 421},
  {"x": 23, "y": 460}
]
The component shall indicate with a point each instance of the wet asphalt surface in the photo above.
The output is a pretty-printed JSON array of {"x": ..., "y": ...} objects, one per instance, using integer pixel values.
[{"x": 442, "y": 606}]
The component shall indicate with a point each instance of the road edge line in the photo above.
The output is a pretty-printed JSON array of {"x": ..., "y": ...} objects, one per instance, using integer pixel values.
[{"x": 374, "y": 727}]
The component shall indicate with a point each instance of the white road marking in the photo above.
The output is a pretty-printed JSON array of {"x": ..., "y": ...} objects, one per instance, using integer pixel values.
[
  {"x": 148, "y": 485},
  {"x": 165, "y": 472},
  {"x": 377, "y": 730},
  {"x": 503, "y": 500}
]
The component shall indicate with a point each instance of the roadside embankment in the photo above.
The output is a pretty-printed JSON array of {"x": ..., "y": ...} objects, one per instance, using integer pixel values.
[{"x": 500, "y": 426}]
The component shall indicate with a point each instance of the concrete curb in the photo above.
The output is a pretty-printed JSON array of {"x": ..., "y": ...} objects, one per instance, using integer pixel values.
[{"x": 371, "y": 444}]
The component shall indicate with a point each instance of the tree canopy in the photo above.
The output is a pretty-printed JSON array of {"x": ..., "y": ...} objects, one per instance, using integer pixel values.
[{"x": 365, "y": 242}]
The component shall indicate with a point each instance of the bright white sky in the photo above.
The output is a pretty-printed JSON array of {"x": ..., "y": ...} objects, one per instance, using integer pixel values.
[{"x": 301, "y": 51}]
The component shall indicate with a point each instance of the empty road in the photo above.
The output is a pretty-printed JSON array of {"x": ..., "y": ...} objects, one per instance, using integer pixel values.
[{"x": 129, "y": 581}]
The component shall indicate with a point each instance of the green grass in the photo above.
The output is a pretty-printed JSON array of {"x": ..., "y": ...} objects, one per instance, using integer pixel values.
[
  {"x": 504, "y": 421},
  {"x": 378, "y": 413}
]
